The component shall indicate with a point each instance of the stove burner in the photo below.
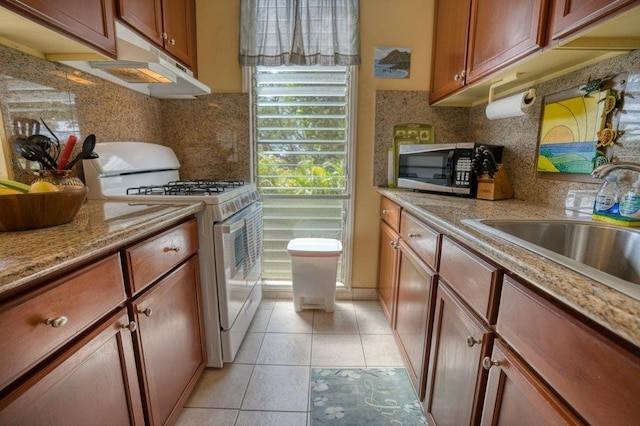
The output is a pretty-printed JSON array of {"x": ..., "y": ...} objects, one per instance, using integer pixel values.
[{"x": 188, "y": 187}]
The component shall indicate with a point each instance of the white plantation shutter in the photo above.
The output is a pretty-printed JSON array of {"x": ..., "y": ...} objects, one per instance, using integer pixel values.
[{"x": 301, "y": 118}]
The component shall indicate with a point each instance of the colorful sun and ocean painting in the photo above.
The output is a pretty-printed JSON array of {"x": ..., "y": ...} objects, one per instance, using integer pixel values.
[{"x": 569, "y": 134}]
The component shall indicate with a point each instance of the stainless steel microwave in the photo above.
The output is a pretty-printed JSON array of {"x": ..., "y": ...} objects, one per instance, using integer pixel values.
[{"x": 442, "y": 168}]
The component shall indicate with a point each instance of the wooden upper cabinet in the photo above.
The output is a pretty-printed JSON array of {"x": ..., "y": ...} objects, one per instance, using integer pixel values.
[
  {"x": 143, "y": 15},
  {"x": 88, "y": 21},
  {"x": 501, "y": 32},
  {"x": 568, "y": 16},
  {"x": 171, "y": 24},
  {"x": 449, "y": 47}
]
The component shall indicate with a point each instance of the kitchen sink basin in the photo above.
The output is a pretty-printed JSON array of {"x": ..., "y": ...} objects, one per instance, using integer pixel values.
[{"x": 607, "y": 253}]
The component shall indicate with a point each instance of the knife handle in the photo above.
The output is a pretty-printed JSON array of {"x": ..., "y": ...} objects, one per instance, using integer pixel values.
[{"x": 66, "y": 153}]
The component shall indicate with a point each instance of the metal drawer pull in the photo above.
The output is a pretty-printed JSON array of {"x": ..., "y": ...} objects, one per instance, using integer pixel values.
[
  {"x": 385, "y": 211},
  {"x": 413, "y": 235},
  {"x": 131, "y": 326},
  {"x": 487, "y": 363},
  {"x": 148, "y": 312},
  {"x": 172, "y": 248},
  {"x": 471, "y": 341},
  {"x": 56, "y": 322}
]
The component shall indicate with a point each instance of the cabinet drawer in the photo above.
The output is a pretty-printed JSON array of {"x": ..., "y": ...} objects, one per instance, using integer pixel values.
[
  {"x": 598, "y": 378},
  {"x": 390, "y": 213},
  {"x": 422, "y": 239},
  {"x": 476, "y": 281},
  {"x": 70, "y": 305},
  {"x": 152, "y": 258}
]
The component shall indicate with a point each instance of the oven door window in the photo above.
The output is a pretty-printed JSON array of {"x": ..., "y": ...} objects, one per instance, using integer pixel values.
[{"x": 434, "y": 167}]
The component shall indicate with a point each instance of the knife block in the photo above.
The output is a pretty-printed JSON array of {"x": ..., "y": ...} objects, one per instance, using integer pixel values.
[{"x": 496, "y": 188}]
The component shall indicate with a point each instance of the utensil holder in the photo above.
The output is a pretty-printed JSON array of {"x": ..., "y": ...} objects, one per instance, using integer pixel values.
[
  {"x": 496, "y": 188},
  {"x": 66, "y": 180}
]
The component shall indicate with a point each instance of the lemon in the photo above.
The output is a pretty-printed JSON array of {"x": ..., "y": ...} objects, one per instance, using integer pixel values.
[
  {"x": 42, "y": 186},
  {"x": 7, "y": 191}
]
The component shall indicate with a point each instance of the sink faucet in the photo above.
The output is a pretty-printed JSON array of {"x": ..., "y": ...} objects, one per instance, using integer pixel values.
[{"x": 603, "y": 170}]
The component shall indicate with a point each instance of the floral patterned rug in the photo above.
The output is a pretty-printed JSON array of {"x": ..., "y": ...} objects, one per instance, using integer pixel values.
[{"x": 363, "y": 396}]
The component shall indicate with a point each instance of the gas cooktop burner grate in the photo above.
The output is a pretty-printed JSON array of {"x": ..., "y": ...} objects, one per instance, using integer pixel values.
[{"x": 188, "y": 187}]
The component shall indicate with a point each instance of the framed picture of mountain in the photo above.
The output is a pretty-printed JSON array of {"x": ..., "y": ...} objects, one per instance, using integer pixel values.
[{"x": 392, "y": 62}]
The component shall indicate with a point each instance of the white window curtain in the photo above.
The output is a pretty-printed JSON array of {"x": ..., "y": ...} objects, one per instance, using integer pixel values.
[{"x": 299, "y": 32}]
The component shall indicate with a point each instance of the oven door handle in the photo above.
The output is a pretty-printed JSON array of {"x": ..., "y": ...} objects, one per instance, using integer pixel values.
[{"x": 233, "y": 227}]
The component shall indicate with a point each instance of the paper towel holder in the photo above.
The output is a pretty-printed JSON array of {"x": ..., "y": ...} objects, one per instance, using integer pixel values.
[{"x": 508, "y": 79}]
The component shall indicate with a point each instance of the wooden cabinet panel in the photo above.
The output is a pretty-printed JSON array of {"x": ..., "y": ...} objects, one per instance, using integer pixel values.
[
  {"x": 88, "y": 21},
  {"x": 422, "y": 239},
  {"x": 598, "y": 378},
  {"x": 70, "y": 304},
  {"x": 387, "y": 267},
  {"x": 390, "y": 213},
  {"x": 143, "y": 15},
  {"x": 170, "y": 341},
  {"x": 456, "y": 380},
  {"x": 414, "y": 314},
  {"x": 515, "y": 396},
  {"x": 179, "y": 17},
  {"x": 502, "y": 32},
  {"x": 94, "y": 382},
  {"x": 476, "y": 281},
  {"x": 154, "y": 257},
  {"x": 448, "y": 63},
  {"x": 568, "y": 16}
]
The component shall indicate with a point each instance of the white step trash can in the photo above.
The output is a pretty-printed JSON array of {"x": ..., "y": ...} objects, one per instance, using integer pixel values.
[{"x": 314, "y": 263}]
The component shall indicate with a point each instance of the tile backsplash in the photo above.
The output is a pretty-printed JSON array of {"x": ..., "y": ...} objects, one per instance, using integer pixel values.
[
  {"x": 210, "y": 134},
  {"x": 519, "y": 135}
]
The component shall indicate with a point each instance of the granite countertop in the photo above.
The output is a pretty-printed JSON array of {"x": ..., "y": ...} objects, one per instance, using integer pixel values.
[
  {"x": 606, "y": 306},
  {"x": 100, "y": 227}
]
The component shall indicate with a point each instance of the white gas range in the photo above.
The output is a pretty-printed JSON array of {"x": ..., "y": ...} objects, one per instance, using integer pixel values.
[{"x": 229, "y": 228}]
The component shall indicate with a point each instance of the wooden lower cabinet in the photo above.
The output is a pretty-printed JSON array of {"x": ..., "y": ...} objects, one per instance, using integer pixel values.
[
  {"x": 387, "y": 267},
  {"x": 516, "y": 396},
  {"x": 456, "y": 379},
  {"x": 93, "y": 382},
  {"x": 413, "y": 319},
  {"x": 170, "y": 341}
]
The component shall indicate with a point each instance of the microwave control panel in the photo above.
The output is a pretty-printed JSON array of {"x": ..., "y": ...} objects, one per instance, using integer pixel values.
[{"x": 463, "y": 169}]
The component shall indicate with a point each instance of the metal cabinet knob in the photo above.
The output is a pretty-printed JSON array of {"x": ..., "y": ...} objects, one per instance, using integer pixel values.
[
  {"x": 172, "y": 41},
  {"x": 385, "y": 211},
  {"x": 147, "y": 312},
  {"x": 57, "y": 321},
  {"x": 471, "y": 341},
  {"x": 172, "y": 248},
  {"x": 487, "y": 363},
  {"x": 456, "y": 77},
  {"x": 393, "y": 244},
  {"x": 413, "y": 235},
  {"x": 131, "y": 326},
  {"x": 463, "y": 73},
  {"x": 165, "y": 36}
]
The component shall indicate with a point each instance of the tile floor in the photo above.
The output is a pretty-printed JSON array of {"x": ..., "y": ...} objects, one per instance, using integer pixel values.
[{"x": 268, "y": 382}]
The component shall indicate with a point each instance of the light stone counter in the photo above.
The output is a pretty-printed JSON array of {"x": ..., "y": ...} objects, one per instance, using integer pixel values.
[
  {"x": 607, "y": 307},
  {"x": 101, "y": 227}
]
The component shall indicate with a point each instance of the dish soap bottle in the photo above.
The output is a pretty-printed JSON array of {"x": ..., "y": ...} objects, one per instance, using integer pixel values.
[
  {"x": 630, "y": 203},
  {"x": 608, "y": 196}
]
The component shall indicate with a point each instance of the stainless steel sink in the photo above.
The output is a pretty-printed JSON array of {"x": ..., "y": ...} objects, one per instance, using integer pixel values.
[{"x": 607, "y": 253}]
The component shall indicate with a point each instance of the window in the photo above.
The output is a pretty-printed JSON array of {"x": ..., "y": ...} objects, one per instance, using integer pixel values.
[{"x": 303, "y": 154}]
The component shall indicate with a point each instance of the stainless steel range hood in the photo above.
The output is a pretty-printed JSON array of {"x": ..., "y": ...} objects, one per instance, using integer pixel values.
[{"x": 144, "y": 68}]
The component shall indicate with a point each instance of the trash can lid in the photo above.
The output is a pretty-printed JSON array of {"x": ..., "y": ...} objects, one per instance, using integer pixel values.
[{"x": 314, "y": 247}]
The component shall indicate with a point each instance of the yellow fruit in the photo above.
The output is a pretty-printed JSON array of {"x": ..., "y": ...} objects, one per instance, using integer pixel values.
[
  {"x": 42, "y": 186},
  {"x": 7, "y": 191}
]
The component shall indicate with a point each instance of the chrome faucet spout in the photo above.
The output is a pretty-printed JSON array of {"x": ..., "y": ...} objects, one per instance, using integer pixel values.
[{"x": 603, "y": 170}]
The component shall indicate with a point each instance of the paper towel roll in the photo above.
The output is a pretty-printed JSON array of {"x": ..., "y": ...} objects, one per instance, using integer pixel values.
[{"x": 511, "y": 106}]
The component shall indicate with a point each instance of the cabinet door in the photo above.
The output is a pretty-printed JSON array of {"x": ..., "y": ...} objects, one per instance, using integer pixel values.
[
  {"x": 515, "y": 396},
  {"x": 170, "y": 341},
  {"x": 179, "y": 19},
  {"x": 88, "y": 21},
  {"x": 456, "y": 379},
  {"x": 93, "y": 382},
  {"x": 571, "y": 15},
  {"x": 502, "y": 32},
  {"x": 449, "y": 47},
  {"x": 413, "y": 314},
  {"x": 387, "y": 271},
  {"x": 143, "y": 15}
]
